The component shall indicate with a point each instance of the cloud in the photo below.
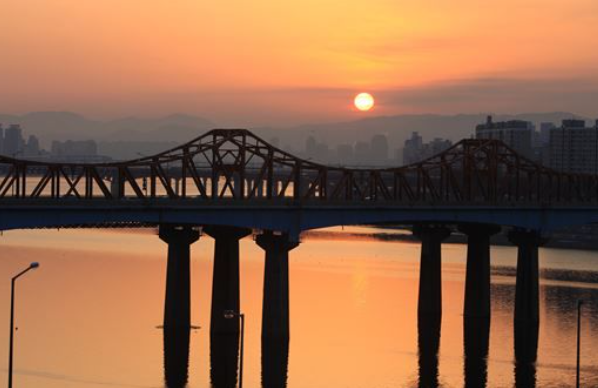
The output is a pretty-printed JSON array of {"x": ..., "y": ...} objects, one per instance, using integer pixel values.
[{"x": 497, "y": 94}]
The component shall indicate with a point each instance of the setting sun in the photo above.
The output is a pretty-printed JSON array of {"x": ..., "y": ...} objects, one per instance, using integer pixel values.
[{"x": 364, "y": 101}]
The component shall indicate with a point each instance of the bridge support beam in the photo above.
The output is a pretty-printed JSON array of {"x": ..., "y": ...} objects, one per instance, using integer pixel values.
[
  {"x": 177, "y": 308},
  {"x": 430, "y": 278},
  {"x": 275, "y": 312},
  {"x": 527, "y": 295},
  {"x": 225, "y": 285},
  {"x": 477, "y": 281}
]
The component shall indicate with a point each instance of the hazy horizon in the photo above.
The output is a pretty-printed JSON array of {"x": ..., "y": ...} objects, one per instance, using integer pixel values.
[{"x": 264, "y": 63}]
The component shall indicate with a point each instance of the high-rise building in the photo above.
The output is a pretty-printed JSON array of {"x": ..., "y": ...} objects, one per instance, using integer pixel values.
[
  {"x": 545, "y": 129},
  {"x": 32, "y": 147},
  {"x": 13, "y": 140},
  {"x": 573, "y": 147},
  {"x": 516, "y": 134},
  {"x": 413, "y": 148}
]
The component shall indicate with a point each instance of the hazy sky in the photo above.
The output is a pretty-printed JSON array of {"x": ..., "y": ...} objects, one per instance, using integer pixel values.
[{"x": 285, "y": 62}]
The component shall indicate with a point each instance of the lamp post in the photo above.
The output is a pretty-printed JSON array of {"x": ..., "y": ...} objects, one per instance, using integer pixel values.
[
  {"x": 12, "y": 317},
  {"x": 230, "y": 314},
  {"x": 579, "y": 303}
]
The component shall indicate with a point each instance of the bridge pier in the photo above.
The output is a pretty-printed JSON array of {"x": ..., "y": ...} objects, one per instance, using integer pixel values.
[
  {"x": 177, "y": 307},
  {"x": 477, "y": 281},
  {"x": 430, "y": 278},
  {"x": 275, "y": 312},
  {"x": 176, "y": 357},
  {"x": 225, "y": 285},
  {"x": 527, "y": 295}
]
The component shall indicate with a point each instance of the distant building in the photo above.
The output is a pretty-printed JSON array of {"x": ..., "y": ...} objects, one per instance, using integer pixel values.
[
  {"x": 416, "y": 150},
  {"x": 545, "y": 129},
  {"x": 436, "y": 146},
  {"x": 13, "y": 141},
  {"x": 516, "y": 134},
  {"x": 32, "y": 146},
  {"x": 74, "y": 148},
  {"x": 574, "y": 147},
  {"x": 413, "y": 148}
]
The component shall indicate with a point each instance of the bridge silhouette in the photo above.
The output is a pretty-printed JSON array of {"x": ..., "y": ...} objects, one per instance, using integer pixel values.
[{"x": 229, "y": 182}]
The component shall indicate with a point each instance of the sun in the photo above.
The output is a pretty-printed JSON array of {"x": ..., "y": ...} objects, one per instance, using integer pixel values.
[{"x": 364, "y": 101}]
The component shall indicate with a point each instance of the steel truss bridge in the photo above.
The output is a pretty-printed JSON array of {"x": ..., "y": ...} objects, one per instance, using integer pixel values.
[
  {"x": 231, "y": 181},
  {"x": 233, "y": 177}
]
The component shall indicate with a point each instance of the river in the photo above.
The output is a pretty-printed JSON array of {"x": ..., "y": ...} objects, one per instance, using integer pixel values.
[{"x": 89, "y": 316}]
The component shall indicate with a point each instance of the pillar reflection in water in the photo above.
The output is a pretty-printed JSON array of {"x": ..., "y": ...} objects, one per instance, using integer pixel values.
[
  {"x": 429, "y": 343},
  {"x": 176, "y": 357},
  {"x": 275, "y": 361},
  {"x": 224, "y": 360},
  {"x": 476, "y": 338},
  {"x": 526, "y": 351}
]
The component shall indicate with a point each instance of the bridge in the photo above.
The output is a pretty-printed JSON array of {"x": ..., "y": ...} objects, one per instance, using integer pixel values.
[{"x": 229, "y": 183}]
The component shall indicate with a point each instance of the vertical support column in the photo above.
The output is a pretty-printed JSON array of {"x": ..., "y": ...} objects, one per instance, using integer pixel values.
[
  {"x": 275, "y": 312},
  {"x": 177, "y": 308},
  {"x": 476, "y": 340},
  {"x": 526, "y": 353},
  {"x": 428, "y": 341},
  {"x": 430, "y": 277},
  {"x": 527, "y": 296},
  {"x": 225, "y": 285},
  {"x": 176, "y": 358},
  {"x": 224, "y": 360},
  {"x": 477, "y": 280},
  {"x": 275, "y": 363}
]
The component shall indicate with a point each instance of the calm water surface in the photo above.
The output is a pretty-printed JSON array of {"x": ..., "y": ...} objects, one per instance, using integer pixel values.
[{"x": 88, "y": 317}]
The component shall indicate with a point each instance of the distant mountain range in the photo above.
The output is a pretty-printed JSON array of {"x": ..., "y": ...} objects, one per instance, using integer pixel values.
[{"x": 178, "y": 128}]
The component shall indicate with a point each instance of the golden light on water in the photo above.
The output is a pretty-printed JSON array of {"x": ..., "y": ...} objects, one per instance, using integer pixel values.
[{"x": 364, "y": 101}]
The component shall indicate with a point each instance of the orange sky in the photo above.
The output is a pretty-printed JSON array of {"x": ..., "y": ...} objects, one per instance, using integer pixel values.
[{"x": 267, "y": 61}]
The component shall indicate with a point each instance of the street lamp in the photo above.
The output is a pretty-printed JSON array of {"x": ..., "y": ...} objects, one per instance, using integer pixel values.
[
  {"x": 230, "y": 314},
  {"x": 579, "y": 303},
  {"x": 12, "y": 317}
]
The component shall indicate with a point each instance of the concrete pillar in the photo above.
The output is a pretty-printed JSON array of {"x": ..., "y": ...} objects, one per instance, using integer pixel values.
[
  {"x": 224, "y": 360},
  {"x": 260, "y": 188},
  {"x": 177, "y": 313},
  {"x": 476, "y": 339},
  {"x": 526, "y": 352},
  {"x": 527, "y": 296},
  {"x": 176, "y": 357},
  {"x": 428, "y": 341},
  {"x": 430, "y": 279},
  {"x": 275, "y": 363},
  {"x": 275, "y": 312},
  {"x": 477, "y": 281},
  {"x": 225, "y": 285}
]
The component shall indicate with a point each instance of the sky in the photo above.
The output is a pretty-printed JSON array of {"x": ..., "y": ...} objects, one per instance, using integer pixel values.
[{"x": 271, "y": 62}]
